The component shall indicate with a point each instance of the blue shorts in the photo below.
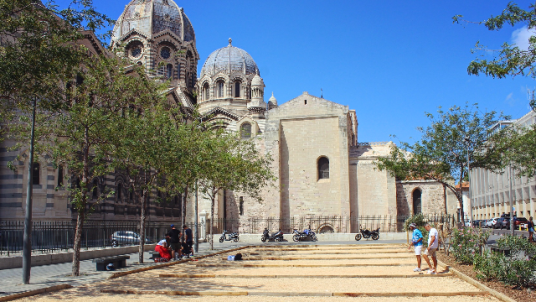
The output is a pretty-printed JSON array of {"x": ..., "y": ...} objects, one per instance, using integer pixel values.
[{"x": 531, "y": 230}]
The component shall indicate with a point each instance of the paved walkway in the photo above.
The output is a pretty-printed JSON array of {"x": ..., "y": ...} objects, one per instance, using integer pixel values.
[{"x": 55, "y": 274}]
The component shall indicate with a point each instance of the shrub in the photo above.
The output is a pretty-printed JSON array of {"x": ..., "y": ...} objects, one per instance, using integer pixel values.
[
  {"x": 466, "y": 243},
  {"x": 516, "y": 269}
]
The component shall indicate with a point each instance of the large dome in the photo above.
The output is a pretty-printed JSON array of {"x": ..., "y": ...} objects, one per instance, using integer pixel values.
[
  {"x": 228, "y": 60},
  {"x": 150, "y": 17}
]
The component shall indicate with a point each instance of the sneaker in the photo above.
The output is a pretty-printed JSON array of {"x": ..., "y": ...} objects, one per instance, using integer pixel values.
[
  {"x": 431, "y": 272},
  {"x": 417, "y": 270}
]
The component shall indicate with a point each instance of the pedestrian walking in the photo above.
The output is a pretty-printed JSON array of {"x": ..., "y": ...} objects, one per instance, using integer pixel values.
[
  {"x": 416, "y": 242},
  {"x": 433, "y": 244},
  {"x": 188, "y": 240},
  {"x": 530, "y": 227}
]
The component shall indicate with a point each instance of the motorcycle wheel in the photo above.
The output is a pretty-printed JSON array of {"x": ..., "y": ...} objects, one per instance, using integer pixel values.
[
  {"x": 375, "y": 236},
  {"x": 358, "y": 237},
  {"x": 277, "y": 239},
  {"x": 221, "y": 239},
  {"x": 236, "y": 239},
  {"x": 295, "y": 238},
  {"x": 314, "y": 238},
  {"x": 263, "y": 239}
]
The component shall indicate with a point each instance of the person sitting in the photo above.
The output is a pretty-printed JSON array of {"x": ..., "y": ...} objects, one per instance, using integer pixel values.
[{"x": 162, "y": 247}]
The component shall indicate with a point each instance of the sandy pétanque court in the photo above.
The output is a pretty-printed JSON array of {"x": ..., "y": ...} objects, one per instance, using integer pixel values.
[{"x": 286, "y": 273}]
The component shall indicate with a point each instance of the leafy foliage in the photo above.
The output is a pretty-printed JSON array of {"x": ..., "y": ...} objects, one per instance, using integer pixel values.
[
  {"x": 466, "y": 243},
  {"x": 510, "y": 60},
  {"x": 440, "y": 154},
  {"x": 516, "y": 269}
]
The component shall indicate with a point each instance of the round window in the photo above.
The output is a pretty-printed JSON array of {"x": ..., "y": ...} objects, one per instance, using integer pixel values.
[
  {"x": 135, "y": 52},
  {"x": 165, "y": 53}
]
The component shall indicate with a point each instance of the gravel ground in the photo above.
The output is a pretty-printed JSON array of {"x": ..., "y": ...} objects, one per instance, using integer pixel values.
[
  {"x": 285, "y": 271},
  {"x": 148, "y": 281},
  {"x": 408, "y": 261},
  {"x": 98, "y": 297}
]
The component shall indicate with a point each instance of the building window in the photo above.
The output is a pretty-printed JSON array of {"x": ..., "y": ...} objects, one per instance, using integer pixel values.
[
  {"x": 305, "y": 102},
  {"x": 165, "y": 53},
  {"x": 245, "y": 131},
  {"x": 169, "y": 71},
  {"x": 220, "y": 89},
  {"x": 178, "y": 71},
  {"x": 119, "y": 192},
  {"x": 60, "y": 176},
  {"x": 131, "y": 196},
  {"x": 95, "y": 193},
  {"x": 206, "y": 92},
  {"x": 417, "y": 202},
  {"x": 35, "y": 173},
  {"x": 323, "y": 168},
  {"x": 237, "y": 89},
  {"x": 241, "y": 206}
]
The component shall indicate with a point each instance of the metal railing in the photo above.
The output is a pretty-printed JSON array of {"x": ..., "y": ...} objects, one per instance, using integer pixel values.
[
  {"x": 324, "y": 224},
  {"x": 54, "y": 237}
]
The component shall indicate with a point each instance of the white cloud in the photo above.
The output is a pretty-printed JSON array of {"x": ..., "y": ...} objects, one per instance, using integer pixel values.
[
  {"x": 510, "y": 99},
  {"x": 521, "y": 36}
]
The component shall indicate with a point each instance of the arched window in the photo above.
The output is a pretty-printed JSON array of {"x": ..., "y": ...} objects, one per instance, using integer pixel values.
[
  {"x": 206, "y": 92},
  {"x": 241, "y": 206},
  {"x": 119, "y": 192},
  {"x": 245, "y": 130},
  {"x": 323, "y": 168},
  {"x": 221, "y": 89},
  {"x": 60, "y": 176},
  {"x": 237, "y": 89},
  {"x": 94, "y": 191},
  {"x": 36, "y": 170},
  {"x": 178, "y": 71},
  {"x": 417, "y": 202},
  {"x": 169, "y": 71}
]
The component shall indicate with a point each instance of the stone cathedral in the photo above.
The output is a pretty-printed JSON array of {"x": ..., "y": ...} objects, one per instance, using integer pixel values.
[{"x": 322, "y": 170}]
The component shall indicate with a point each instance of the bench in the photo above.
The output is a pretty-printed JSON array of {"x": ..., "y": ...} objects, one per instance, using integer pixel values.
[
  {"x": 117, "y": 261},
  {"x": 154, "y": 254},
  {"x": 496, "y": 248}
]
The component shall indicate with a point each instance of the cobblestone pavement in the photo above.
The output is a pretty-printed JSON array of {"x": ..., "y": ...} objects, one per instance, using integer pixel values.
[{"x": 55, "y": 274}]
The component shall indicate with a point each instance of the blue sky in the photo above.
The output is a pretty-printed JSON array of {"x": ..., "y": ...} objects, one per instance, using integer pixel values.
[{"x": 391, "y": 61}]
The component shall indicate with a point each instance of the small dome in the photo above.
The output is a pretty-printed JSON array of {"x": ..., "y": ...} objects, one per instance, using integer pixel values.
[
  {"x": 150, "y": 17},
  {"x": 272, "y": 100},
  {"x": 228, "y": 60},
  {"x": 257, "y": 81}
]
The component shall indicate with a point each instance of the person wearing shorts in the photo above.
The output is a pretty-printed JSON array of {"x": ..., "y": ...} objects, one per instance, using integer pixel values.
[
  {"x": 416, "y": 242},
  {"x": 188, "y": 239},
  {"x": 433, "y": 245},
  {"x": 174, "y": 242}
]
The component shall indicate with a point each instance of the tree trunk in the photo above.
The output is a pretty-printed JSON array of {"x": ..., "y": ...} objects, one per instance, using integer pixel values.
[
  {"x": 81, "y": 210},
  {"x": 142, "y": 227},
  {"x": 445, "y": 198},
  {"x": 211, "y": 221},
  {"x": 77, "y": 242}
]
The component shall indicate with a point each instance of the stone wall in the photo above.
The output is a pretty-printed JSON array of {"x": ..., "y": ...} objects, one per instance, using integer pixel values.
[{"x": 432, "y": 198}]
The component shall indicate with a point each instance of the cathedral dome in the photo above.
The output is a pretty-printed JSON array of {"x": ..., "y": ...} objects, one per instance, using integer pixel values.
[
  {"x": 229, "y": 59},
  {"x": 257, "y": 81},
  {"x": 150, "y": 17}
]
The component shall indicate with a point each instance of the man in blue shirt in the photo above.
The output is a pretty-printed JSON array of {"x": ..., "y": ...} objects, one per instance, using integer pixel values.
[{"x": 416, "y": 241}]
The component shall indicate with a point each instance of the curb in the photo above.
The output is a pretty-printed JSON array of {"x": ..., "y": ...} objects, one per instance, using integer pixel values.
[
  {"x": 195, "y": 276},
  {"x": 477, "y": 284},
  {"x": 143, "y": 269},
  {"x": 318, "y": 258},
  {"x": 286, "y": 294},
  {"x": 306, "y": 265},
  {"x": 34, "y": 292}
]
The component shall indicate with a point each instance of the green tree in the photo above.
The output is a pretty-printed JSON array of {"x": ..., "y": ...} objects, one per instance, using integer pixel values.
[
  {"x": 441, "y": 153},
  {"x": 230, "y": 163},
  {"x": 85, "y": 132}
]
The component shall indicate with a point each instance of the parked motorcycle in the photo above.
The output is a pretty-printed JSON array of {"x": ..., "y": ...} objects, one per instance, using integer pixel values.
[
  {"x": 277, "y": 236},
  {"x": 375, "y": 234},
  {"x": 229, "y": 236},
  {"x": 306, "y": 235}
]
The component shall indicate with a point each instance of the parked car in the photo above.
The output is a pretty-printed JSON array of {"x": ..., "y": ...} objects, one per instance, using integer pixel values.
[
  {"x": 501, "y": 223},
  {"x": 126, "y": 237},
  {"x": 521, "y": 222},
  {"x": 491, "y": 223}
]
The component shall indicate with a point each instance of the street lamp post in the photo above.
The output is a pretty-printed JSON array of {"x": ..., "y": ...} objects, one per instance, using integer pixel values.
[{"x": 470, "y": 183}]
